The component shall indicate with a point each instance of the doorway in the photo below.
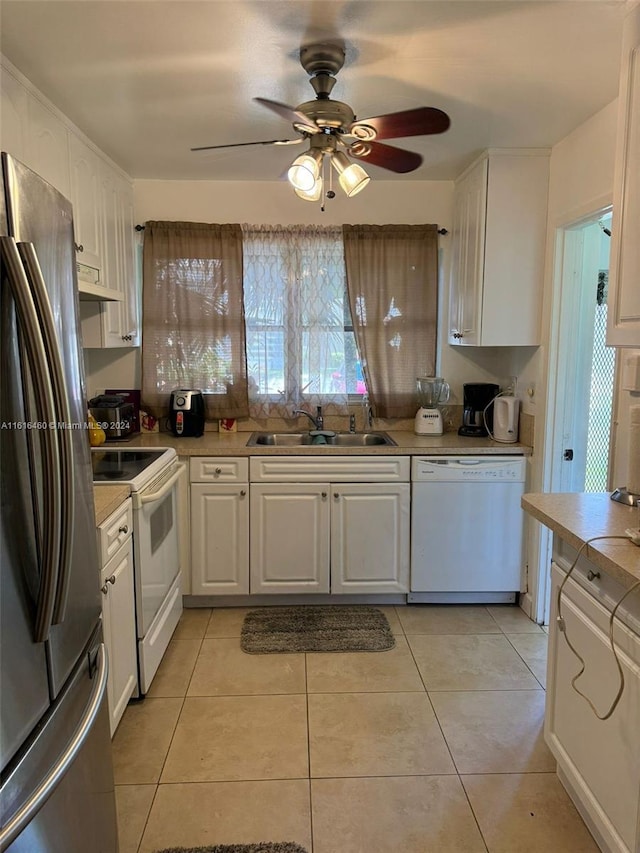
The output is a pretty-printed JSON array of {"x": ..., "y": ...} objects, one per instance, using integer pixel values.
[{"x": 582, "y": 398}]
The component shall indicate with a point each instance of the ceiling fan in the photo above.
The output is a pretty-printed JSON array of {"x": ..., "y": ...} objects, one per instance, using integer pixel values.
[{"x": 333, "y": 131}]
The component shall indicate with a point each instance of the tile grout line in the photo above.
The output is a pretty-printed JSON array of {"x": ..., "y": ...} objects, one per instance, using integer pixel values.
[
  {"x": 453, "y": 761},
  {"x": 524, "y": 661},
  {"x": 157, "y": 784},
  {"x": 306, "y": 689}
]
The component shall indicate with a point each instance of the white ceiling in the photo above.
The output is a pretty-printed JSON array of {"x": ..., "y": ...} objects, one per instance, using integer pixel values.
[{"x": 146, "y": 80}]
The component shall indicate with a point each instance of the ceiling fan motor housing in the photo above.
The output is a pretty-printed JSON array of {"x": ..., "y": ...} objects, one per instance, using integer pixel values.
[{"x": 327, "y": 113}]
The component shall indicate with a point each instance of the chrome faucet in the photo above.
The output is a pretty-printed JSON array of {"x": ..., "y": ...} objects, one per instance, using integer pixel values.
[{"x": 318, "y": 421}]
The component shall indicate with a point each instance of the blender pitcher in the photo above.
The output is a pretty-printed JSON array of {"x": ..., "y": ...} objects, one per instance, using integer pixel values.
[{"x": 433, "y": 391}]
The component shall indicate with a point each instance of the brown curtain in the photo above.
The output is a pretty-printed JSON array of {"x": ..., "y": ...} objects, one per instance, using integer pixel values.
[
  {"x": 392, "y": 280},
  {"x": 193, "y": 333}
]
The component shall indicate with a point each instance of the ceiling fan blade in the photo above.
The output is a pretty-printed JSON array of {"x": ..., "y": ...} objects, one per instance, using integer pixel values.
[
  {"x": 290, "y": 114},
  {"x": 418, "y": 122},
  {"x": 385, "y": 156},
  {"x": 242, "y": 144}
]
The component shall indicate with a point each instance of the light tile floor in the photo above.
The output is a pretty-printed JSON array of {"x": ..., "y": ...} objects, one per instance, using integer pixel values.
[{"x": 433, "y": 747}]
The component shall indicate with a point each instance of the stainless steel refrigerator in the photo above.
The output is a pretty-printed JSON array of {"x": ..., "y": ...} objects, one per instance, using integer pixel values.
[{"x": 57, "y": 792}]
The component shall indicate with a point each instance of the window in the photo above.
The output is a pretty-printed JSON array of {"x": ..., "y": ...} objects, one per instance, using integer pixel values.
[{"x": 301, "y": 349}]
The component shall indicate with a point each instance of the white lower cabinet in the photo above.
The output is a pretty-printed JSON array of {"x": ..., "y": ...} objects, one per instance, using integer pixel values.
[
  {"x": 598, "y": 761},
  {"x": 219, "y": 539},
  {"x": 219, "y": 525},
  {"x": 289, "y": 537},
  {"x": 370, "y": 537},
  {"x": 348, "y": 533},
  {"x": 274, "y": 525},
  {"x": 119, "y": 626}
]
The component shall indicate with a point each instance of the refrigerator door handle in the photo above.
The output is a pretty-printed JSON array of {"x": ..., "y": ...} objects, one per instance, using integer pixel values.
[
  {"x": 66, "y": 502},
  {"x": 48, "y": 785},
  {"x": 45, "y": 402}
]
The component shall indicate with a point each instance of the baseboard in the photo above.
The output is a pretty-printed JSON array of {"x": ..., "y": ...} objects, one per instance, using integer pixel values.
[{"x": 190, "y": 601}]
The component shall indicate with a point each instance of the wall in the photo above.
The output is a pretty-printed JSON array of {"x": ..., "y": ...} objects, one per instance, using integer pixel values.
[{"x": 581, "y": 183}]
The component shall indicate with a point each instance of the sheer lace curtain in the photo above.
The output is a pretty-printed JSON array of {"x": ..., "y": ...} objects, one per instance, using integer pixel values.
[
  {"x": 294, "y": 290},
  {"x": 193, "y": 323},
  {"x": 392, "y": 280}
]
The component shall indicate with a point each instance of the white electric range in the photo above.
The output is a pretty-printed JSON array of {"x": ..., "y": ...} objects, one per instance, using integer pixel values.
[{"x": 153, "y": 475}]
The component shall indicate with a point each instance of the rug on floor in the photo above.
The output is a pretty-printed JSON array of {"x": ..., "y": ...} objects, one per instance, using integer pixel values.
[
  {"x": 269, "y": 847},
  {"x": 309, "y": 628}
]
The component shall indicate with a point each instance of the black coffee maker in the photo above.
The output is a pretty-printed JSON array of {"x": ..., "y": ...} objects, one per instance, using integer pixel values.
[{"x": 477, "y": 396}]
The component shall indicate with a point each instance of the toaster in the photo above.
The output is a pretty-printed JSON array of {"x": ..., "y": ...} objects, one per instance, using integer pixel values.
[
  {"x": 114, "y": 415},
  {"x": 186, "y": 412}
]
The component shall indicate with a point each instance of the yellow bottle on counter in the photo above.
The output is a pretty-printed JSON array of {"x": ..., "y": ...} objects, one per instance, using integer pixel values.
[{"x": 96, "y": 433}]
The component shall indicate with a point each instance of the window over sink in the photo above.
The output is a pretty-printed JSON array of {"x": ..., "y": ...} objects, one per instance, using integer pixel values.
[{"x": 301, "y": 348}]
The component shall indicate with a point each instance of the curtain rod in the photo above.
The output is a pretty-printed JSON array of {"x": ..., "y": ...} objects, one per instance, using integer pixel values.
[{"x": 442, "y": 231}]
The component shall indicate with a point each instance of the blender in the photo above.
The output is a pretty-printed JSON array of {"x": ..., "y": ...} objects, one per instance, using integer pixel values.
[{"x": 432, "y": 392}]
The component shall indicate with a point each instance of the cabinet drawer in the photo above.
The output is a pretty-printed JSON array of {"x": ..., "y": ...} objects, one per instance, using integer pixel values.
[
  {"x": 219, "y": 469},
  {"x": 114, "y": 531},
  {"x": 321, "y": 469}
]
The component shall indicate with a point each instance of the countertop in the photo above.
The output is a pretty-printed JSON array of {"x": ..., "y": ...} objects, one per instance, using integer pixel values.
[
  {"x": 235, "y": 444},
  {"x": 107, "y": 499},
  {"x": 576, "y": 517}
]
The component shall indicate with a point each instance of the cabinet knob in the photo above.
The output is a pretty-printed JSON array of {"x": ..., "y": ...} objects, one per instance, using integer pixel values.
[
  {"x": 336, "y": 495},
  {"x": 243, "y": 492},
  {"x": 593, "y": 575},
  {"x": 79, "y": 247},
  {"x": 105, "y": 588},
  {"x": 324, "y": 495},
  {"x": 124, "y": 529},
  {"x": 218, "y": 471}
]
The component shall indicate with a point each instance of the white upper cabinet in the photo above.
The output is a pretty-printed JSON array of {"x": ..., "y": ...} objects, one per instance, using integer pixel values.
[
  {"x": 13, "y": 112},
  {"x": 48, "y": 146},
  {"x": 498, "y": 248},
  {"x": 87, "y": 219},
  {"x": 41, "y": 137},
  {"x": 623, "y": 316}
]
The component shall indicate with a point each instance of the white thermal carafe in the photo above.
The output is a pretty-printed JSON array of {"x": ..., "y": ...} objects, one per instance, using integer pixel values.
[{"x": 433, "y": 391}]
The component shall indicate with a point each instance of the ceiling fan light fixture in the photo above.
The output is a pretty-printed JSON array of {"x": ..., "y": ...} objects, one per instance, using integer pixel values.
[
  {"x": 304, "y": 172},
  {"x": 313, "y": 194},
  {"x": 351, "y": 177}
]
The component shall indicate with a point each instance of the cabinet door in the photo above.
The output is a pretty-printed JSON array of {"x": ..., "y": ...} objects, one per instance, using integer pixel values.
[
  {"x": 289, "y": 537},
  {"x": 119, "y": 625},
  {"x": 129, "y": 273},
  {"x": 48, "y": 146},
  {"x": 601, "y": 759},
  {"x": 219, "y": 539},
  {"x": 623, "y": 315},
  {"x": 468, "y": 258},
  {"x": 120, "y": 319},
  {"x": 85, "y": 197},
  {"x": 14, "y": 124},
  {"x": 370, "y": 537}
]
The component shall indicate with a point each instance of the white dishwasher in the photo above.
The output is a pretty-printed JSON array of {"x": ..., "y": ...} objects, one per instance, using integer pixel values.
[{"x": 466, "y": 528}]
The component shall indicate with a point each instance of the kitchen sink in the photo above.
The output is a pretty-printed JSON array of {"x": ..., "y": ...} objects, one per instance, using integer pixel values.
[{"x": 305, "y": 439}]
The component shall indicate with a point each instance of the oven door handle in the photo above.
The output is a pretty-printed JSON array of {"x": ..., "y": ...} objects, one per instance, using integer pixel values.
[{"x": 149, "y": 497}]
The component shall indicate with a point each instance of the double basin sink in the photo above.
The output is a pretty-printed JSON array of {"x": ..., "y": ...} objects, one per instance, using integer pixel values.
[{"x": 305, "y": 439}]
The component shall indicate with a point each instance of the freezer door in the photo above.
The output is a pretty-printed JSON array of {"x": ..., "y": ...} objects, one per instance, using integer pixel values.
[
  {"x": 60, "y": 797},
  {"x": 41, "y": 222}
]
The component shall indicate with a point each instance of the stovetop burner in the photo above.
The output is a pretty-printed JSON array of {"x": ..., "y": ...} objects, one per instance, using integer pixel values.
[{"x": 121, "y": 464}]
